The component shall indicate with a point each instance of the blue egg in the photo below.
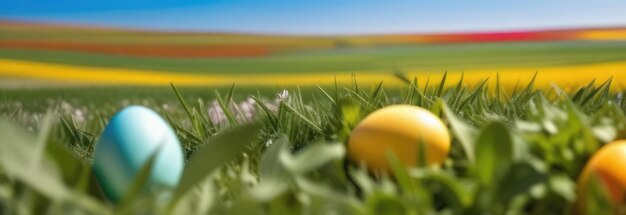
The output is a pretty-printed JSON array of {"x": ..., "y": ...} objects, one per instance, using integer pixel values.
[{"x": 128, "y": 141}]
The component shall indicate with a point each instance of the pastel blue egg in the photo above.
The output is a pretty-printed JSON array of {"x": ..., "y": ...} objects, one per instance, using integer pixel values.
[{"x": 128, "y": 141}]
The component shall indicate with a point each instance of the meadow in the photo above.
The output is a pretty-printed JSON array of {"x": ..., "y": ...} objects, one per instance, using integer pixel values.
[
  {"x": 289, "y": 156},
  {"x": 264, "y": 120}
]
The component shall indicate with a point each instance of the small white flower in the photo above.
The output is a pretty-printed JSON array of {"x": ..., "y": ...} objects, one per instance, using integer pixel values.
[
  {"x": 282, "y": 95},
  {"x": 247, "y": 109},
  {"x": 79, "y": 115},
  {"x": 216, "y": 114},
  {"x": 66, "y": 107}
]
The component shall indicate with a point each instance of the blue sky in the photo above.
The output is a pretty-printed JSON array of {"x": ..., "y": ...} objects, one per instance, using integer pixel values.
[{"x": 323, "y": 16}]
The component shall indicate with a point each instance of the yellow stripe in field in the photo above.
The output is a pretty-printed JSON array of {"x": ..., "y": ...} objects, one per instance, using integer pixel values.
[
  {"x": 609, "y": 34},
  {"x": 571, "y": 75},
  {"x": 99, "y": 75}
]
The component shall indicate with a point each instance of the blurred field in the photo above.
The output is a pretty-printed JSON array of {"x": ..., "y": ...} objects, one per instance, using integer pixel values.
[{"x": 87, "y": 55}]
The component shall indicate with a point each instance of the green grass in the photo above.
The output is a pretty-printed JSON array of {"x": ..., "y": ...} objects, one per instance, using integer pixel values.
[
  {"x": 437, "y": 58},
  {"x": 111, "y": 97},
  {"x": 512, "y": 153}
]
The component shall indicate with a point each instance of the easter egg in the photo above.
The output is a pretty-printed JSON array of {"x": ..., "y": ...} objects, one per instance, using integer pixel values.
[
  {"x": 131, "y": 137},
  {"x": 609, "y": 166},
  {"x": 400, "y": 129}
]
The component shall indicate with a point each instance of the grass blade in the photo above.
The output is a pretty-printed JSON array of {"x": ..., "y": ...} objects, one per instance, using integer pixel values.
[
  {"x": 216, "y": 152},
  {"x": 139, "y": 182},
  {"x": 442, "y": 84},
  {"x": 301, "y": 117}
]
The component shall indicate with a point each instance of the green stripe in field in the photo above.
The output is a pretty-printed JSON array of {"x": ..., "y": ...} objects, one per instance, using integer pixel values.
[{"x": 427, "y": 58}]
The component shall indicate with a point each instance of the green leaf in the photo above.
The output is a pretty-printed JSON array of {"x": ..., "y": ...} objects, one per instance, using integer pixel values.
[
  {"x": 139, "y": 182},
  {"x": 215, "y": 153},
  {"x": 339, "y": 202},
  {"x": 72, "y": 166},
  {"x": 604, "y": 133},
  {"x": 518, "y": 180},
  {"x": 268, "y": 188},
  {"x": 494, "y": 152},
  {"x": 16, "y": 155},
  {"x": 46, "y": 178},
  {"x": 465, "y": 133},
  {"x": 385, "y": 204},
  {"x": 401, "y": 174},
  {"x": 312, "y": 157},
  {"x": 451, "y": 189},
  {"x": 362, "y": 179},
  {"x": 563, "y": 186},
  {"x": 42, "y": 140},
  {"x": 270, "y": 165},
  {"x": 199, "y": 200},
  {"x": 273, "y": 176}
]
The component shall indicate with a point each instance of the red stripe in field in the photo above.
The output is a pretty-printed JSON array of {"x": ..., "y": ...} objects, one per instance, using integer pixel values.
[
  {"x": 502, "y": 37},
  {"x": 144, "y": 50}
]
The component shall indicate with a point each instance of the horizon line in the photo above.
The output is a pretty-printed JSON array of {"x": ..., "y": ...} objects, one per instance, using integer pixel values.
[{"x": 5, "y": 20}]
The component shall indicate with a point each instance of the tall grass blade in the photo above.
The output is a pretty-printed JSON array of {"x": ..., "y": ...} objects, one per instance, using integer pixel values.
[
  {"x": 293, "y": 111},
  {"x": 139, "y": 182},
  {"x": 182, "y": 102},
  {"x": 442, "y": 84},
  {"x": 330, "y": 98}
]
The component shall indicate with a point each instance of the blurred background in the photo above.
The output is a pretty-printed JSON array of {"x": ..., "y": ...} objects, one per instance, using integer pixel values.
[{"x": 284, "y": 43}]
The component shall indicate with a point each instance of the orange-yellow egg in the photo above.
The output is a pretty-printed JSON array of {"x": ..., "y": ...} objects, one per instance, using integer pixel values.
[
  {"x": 609, "y": 165},
  {"x": 400, "y": 129}
]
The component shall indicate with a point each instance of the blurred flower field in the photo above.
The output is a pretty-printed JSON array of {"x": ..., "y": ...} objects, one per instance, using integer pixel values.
[{"x": 107, "y": 56}]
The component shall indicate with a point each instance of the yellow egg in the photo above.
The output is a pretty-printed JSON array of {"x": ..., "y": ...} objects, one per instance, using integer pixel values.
[
  {"x": 400, "y": 129},
  {"x": 608, "y": 164}
]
